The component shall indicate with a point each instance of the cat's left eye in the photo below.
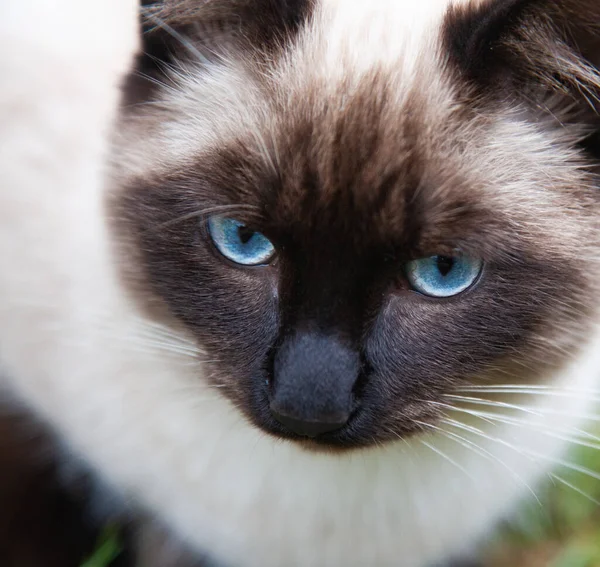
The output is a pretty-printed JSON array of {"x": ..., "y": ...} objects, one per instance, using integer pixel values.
[
  {"x": 238, "y": 243},
  {"x": 443, "y": 276}
]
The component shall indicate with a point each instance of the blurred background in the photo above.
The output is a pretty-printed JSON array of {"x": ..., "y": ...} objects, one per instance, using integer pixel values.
[{"x": 563, "y": 529}]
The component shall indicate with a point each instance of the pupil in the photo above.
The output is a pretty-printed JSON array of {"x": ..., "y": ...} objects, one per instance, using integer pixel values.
[
  {"x": 444, "y": 264},
  {"x": 245, "y": 234}
]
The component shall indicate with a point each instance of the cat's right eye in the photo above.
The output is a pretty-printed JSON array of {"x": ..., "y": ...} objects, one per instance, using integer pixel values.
[{"x": 239, "y": 243}]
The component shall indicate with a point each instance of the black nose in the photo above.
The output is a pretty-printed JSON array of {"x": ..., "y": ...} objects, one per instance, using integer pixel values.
[{"x": 314, "y": 375}]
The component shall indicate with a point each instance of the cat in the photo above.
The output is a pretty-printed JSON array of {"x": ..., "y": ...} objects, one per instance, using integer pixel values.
[{"x": 308, "y": 282}]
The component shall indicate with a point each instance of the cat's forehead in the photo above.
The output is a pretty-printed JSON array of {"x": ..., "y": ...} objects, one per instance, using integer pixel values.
[
  {"x": 379, "y": 136},
  {"x": 201, "y": 104},
  {"x": 359, "y": 154},
  {"x": 392, "y": 33},
  {"x": 365, "y": 155}
]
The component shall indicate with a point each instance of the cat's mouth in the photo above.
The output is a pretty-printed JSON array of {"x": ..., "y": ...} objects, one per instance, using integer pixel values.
[
  {"x": 338, "y": 431},
  {"x": 359, "y": 432},
  {"x": 343, "y": 438}
]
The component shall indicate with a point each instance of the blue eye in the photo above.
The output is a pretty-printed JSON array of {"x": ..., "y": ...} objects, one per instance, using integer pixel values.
[
  {"x": 238, "y": 243},
  {"x": 443, "y": 276}
]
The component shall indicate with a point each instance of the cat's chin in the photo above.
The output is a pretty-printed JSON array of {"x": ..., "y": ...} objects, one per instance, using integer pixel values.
[
  {"x": 325, "y": 448},
  {"x": 344, "y": 442}
]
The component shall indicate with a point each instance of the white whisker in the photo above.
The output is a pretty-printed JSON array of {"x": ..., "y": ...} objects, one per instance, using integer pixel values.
[
  {"x": 532, "y": 387},
  {"x": 475, "y": 413},
  {"x": 562, "y": 392},
  {"x": 533, "y": 410},
  {"x": 447, "y": 458},
  {"x": 560, "y": 434},
  {"x": 468, "y": 444},
  {"x": 482, "y": 402},
  {"x": 573, "y": 487},
  {"x": 547, "y": 429},
  {"x": 566, "y": 464},
  {"x": 531, "y": 453},
  {"x": 480, "y": 433}
]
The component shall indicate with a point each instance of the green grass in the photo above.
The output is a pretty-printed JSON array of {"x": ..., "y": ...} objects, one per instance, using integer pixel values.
[
  {"x": 564, "y": 531},
  {"x": 107, "y": 549}
]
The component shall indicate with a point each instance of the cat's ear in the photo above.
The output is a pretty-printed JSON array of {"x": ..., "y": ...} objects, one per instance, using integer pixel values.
[
  {"x": 540, "y": 51},
  {"x": 204, "y": 30}
]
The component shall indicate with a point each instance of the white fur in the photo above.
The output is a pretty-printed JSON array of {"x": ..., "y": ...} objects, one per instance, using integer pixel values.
[{"x": 75, "y": 347}]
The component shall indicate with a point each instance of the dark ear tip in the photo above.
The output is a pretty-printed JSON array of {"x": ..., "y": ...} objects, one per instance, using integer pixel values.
[
  {"x": 176, "y": 28},
  {"x": 472, "y": 32},
  {"x": 160, "y": 45},
  {"x": 511, "y": 43}
]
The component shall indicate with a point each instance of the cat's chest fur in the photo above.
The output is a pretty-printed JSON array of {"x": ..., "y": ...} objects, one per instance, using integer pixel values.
[{"x": 360, "y": 140}]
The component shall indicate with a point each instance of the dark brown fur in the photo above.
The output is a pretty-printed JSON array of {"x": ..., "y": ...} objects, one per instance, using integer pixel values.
[{"x": 42, "y": 523}]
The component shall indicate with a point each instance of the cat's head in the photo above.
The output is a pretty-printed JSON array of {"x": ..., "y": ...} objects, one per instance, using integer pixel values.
[{"x": 355, "y": 221}]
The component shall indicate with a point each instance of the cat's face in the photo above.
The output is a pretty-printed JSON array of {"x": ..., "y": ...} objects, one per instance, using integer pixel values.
[{"x": 350, "y": 245}]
